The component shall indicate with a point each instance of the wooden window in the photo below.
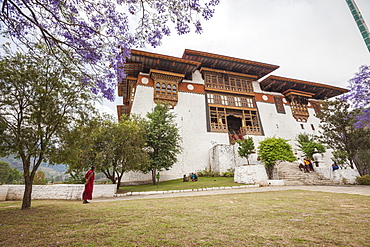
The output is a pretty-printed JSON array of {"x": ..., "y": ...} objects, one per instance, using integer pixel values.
[
  {"x": 316, "y": 107},
  {"x": 299, "y": 111},
  {"x": 279, "y": 105},
  {"x": 249, "y": 119},
  {"x": 217, "y": 99},
  {"x": 247, "y": 102},
  {"x": 230, "y": 100},
  {"x": 218, "y": 119},
  {"x": 251, "y": 123},
  {"x": 228, "y": 82},
  {"x": 166, "y": 92},
  {"x": 237, "y": 101},
  {"x": 210, "y": 98}
]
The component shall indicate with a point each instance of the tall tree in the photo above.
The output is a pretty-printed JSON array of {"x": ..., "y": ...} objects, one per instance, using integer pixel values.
[
  {"x": 339, "y": 131},
  {"x": 41, "y": 96},
  {"x": 100, "y": 32},
  {"x": 359, "y": 96},
  {"x": 163, "y": 140}
]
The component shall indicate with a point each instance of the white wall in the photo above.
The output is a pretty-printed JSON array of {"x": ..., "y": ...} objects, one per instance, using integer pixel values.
[
  {"x": 191, "y": 120},
  {"x": 59, "y": 191}
]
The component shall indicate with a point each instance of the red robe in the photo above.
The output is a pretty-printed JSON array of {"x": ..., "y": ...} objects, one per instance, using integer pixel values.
[{"x": 87, "y": 194}]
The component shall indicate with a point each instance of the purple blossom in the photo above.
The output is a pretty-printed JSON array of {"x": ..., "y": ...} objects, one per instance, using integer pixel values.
[
  {"x": 99, "y": 33},
  {"x": 359, "y": 95}
]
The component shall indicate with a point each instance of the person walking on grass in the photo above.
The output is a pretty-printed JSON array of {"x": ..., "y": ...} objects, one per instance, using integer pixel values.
[{"x": 89, "y": 185}]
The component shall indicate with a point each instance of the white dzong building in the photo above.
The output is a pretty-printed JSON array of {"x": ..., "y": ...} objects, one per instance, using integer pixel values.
[{"x": 218, "y": 99}]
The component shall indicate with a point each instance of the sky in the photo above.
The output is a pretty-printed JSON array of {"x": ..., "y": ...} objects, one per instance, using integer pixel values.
[{"x": 311, "y": 40}]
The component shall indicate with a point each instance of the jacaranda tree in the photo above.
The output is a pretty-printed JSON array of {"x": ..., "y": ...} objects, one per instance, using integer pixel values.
[
  {"x": 359, "y": 95},
  {"x": 100, "y": 32}
]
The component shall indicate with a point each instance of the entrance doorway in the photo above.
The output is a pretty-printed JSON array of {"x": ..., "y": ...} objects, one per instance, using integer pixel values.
[{"x": 234, "y": 124}]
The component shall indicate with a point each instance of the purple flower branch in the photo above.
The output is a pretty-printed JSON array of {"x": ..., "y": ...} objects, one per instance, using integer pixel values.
[
  {"x": 99, "y": 32},
  {"x": 359, "y": 95}
]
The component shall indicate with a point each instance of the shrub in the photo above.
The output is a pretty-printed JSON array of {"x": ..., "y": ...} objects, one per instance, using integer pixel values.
[
  {"x": 207, "y": 173},
  {"x": 274, "y": 149},
  {"x": 308, "y": 145},
  {"x": 363, "y": 180},
  {"x": 229, "y": 173}
]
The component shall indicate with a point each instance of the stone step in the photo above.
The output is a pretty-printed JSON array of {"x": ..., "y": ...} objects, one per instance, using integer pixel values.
[{"x": 292, "y": 175}]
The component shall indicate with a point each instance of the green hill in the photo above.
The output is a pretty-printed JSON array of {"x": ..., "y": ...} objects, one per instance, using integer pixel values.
[{"x": 51, "y": 171}]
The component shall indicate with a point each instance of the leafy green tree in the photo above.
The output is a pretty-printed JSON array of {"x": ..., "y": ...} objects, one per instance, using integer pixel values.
[
  {"x": 41, "y": 96},
  {"x": 39, "y": 178},
  {"x": 246, "y": 147},
  {"x": 4, "y": 172},
  {"x": 339, "y": 131},
  {"x": 113, "y": 148},
  {"x": 163, "y": 140},
  {"x": 122, "y": 148},
  {"x": 14, "y": 177},
  {"x": 309, "y": 146},
  {"x": 274, "y": 149}
]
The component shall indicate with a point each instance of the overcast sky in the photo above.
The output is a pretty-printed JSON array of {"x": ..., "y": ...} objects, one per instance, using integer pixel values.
[{"x": 313, "y": 40}]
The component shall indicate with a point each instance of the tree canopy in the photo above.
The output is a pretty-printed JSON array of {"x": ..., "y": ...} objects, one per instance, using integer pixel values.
[
  {"x": 41, "y": 96},
  {"x": 100, "y": 32},
  {"x": 162, "y": 139},
  {"x": 275, "y": 149},
  {"x": 246, "y": 147},
  {"x": 309, "y": 145},
  {"x": 359, "y": 96},
  {"x": 340, "y": 133},
  {"x": 112, "y": 147}
]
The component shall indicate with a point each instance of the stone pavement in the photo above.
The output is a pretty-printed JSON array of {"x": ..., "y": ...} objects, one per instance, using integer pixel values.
[{"x": 347, "y": 189}]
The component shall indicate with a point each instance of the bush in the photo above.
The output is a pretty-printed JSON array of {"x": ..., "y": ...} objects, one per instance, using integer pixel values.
[
  {"x": 229, "y": 173},
  {"x": 274, "y": 149},
  {"x": 363, "y": 180},
  {"x": 207, "y": 173}
]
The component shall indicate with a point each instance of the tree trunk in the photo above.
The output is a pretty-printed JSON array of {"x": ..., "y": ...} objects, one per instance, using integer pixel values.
[
  {"x": 270, "y": 171},
  {"x": 154, "y": 173},
  {"x": 26, "y": 203},
  {"x": 119, "y": 180}
]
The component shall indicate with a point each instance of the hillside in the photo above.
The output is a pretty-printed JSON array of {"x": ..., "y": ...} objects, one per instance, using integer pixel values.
[{"x": 51, "y": 171}]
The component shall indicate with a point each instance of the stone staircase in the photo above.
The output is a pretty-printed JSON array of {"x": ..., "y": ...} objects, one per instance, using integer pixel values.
[{"x": 292, "y": 175}]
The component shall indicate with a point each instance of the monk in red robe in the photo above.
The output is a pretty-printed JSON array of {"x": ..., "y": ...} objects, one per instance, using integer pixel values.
[{"x": 89, "y": 185}]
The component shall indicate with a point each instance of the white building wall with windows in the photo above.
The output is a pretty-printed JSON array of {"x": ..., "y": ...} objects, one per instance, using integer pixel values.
[
  {"x": 199, "y": 145},
  {"x": 231, "y": 105},
  {"x": 191, "y": 119}
]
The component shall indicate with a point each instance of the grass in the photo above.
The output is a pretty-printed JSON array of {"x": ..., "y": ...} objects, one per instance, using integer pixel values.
[
  {"x": 281, "y": 218},
  {"x": 178, "y": 184}
]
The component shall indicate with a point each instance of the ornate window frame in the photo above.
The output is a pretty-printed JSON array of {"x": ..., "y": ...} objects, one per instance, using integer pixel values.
[{"x": 166, "y": 86}]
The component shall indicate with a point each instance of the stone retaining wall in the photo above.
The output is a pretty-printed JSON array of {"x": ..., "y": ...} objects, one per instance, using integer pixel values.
[{"x": 56, "y": 191}]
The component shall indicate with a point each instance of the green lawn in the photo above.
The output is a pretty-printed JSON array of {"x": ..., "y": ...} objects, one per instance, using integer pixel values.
[
  {"x": 178, "y": 184},
  {"x": 281, "y": 218}
]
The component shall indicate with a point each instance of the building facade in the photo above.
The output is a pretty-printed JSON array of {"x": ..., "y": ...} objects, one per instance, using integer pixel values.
[{"x": 218, "y": 99}]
